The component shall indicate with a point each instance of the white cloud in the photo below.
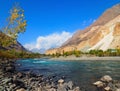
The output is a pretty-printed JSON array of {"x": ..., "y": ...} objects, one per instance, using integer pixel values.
[{"x": 50, "y": 41}]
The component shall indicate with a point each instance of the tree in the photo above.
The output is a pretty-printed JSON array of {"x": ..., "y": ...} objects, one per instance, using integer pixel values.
[
  {"x": 5, "y": 40},
  {"x": 77, "y": 53},
  {"x": 16, "y": 23}
]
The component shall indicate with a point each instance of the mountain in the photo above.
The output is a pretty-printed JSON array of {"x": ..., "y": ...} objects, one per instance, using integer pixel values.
[
  {"x": 41, "y": 51},
  {"x": 4, "y": 39},
  {"x": 103, "y": 34}
]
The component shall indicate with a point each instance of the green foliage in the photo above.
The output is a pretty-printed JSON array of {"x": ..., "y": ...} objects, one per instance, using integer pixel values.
[
  {"x": 99, "y": 53},
  {"x": 65, "y": 54},
  {"x": 109, "y": 52},
  {"x": 6, "y": 54},
  {"x": 96, "y": 52},
  {"x": 53, "y": 55},
  {"x": 58, "y": 55},
  {"x": 12, "y": 54},
  {"x": 5, "y": 40}
]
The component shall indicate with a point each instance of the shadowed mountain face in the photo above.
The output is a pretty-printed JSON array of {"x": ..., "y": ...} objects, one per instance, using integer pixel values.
[
  {"x": 8, "y": 45},
  {"x": 102, "y": 34}
]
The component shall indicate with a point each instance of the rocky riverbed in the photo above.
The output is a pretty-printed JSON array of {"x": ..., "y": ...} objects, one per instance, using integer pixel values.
[
  {"x": 12, "y": 80},
  {"x": 106, "y": 83}
]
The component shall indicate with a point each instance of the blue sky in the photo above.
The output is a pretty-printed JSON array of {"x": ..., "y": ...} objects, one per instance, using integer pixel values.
[{"x": 55, "y": 19}]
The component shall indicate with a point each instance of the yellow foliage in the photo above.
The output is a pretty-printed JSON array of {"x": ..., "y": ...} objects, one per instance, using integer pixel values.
[
  {"x": 14, "y": 16},
  {"x": 16, "y": 23}
]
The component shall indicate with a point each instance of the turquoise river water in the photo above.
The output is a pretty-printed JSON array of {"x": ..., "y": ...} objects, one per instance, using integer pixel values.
[{"x": 82, "y": 73}]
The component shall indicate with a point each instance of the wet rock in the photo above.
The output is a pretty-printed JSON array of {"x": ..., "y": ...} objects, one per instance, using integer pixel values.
[
  {"x": 107, "y": 88},
  {"x": 106, "y": 78},
  {"x": 53, "y": 84},
  {"x": 1, "y": 88},
  {"x": 61, "y": 81},
  {"x": 99, "y": 84},
  {"x": 21, "y": 89},
  {"x": 61, "y": 88},
  {"x": 10, "y": 69},
  {"x": 52, "y": 89},
  {"x": 48, "y": 86},
  {"x": 12, "y": 86},
  {"x": 76, "y": 89},
  {"x": 118, "y": 89},
  {"x": 70, "y": 84},
  {"x": 39, "y": 89},
  {"x": 19, "y": 75},
  {"x": 108, "y": 84},
  {"x": 117, "y": 85},
  {"x": 19, "y": 83},
  {"x": 7, "y": 80}
]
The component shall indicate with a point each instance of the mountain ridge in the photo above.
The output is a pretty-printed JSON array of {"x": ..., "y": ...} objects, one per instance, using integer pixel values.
[
  {"x": 101, "y": 20},
  {"x": 102, "y": 34}
]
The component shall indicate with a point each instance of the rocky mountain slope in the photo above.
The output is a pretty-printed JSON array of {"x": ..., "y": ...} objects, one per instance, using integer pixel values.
[
  {"x": 4, "y": 39},
  {"x": 103, "y": 34}
]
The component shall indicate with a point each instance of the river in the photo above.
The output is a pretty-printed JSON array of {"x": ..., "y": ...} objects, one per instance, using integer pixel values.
[{"x": 82, "y": 73}]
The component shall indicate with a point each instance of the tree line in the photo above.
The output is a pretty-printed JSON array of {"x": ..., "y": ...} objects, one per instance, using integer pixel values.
[{"x": 99, "y": 53}]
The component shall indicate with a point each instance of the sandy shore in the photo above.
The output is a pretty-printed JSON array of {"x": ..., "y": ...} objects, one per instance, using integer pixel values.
[{"x": 70, "y": 58}]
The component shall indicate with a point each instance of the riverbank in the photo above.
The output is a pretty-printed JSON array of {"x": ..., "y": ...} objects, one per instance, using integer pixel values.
[
  {"x": 72, "y": 58},
  {"x": 12, "y": 80}
]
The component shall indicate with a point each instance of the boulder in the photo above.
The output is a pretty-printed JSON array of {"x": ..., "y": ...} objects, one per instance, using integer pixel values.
[
  {"x": 10, "y": 69},
  {"x": 62, "y": 87},
  {"x": 106, "y": 78},
  {"x": 99, "y": 84},
  {"x": 61, "y": 81},
  {"x": 76, "y": 89},
  {"x": 117, "y": 85},
  {"x": 7, "y": 80},
  {"x": 52, "y": 89},
  {"x": 39, "y": 89},
  {"x": 1, "y": 88},
  {"x": 107, "y": 88},
  {"x": 19, "y": 75},
  {"x": 70, "y": 84},
  {"x": 118, "y": 89},
  {"x": 21, "y": 89}
]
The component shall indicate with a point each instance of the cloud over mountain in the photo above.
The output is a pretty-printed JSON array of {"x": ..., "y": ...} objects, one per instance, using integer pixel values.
[{"x": 50, "y": 41}]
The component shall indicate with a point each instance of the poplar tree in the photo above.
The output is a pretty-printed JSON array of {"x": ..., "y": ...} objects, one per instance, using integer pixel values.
[{"x": 16, "y": 23}]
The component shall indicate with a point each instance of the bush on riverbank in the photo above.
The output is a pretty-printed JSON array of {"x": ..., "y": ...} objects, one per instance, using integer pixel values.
[
  {"x": 12, "y": 54},
  {"x": 99, "y": 53}
]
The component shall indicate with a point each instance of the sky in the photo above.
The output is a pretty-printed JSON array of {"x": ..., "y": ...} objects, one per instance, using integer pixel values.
[{"x": 51, "y": 22}]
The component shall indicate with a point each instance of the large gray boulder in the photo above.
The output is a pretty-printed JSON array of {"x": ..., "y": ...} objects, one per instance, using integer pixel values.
[
  {"x": 106, "y": 78},
  {"x": 99, "y": 84},
  {"x": 70, "y": 85}
]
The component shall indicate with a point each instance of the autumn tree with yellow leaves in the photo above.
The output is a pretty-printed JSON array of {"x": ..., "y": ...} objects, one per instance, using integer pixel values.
[{"x": 16, "y": 23}]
